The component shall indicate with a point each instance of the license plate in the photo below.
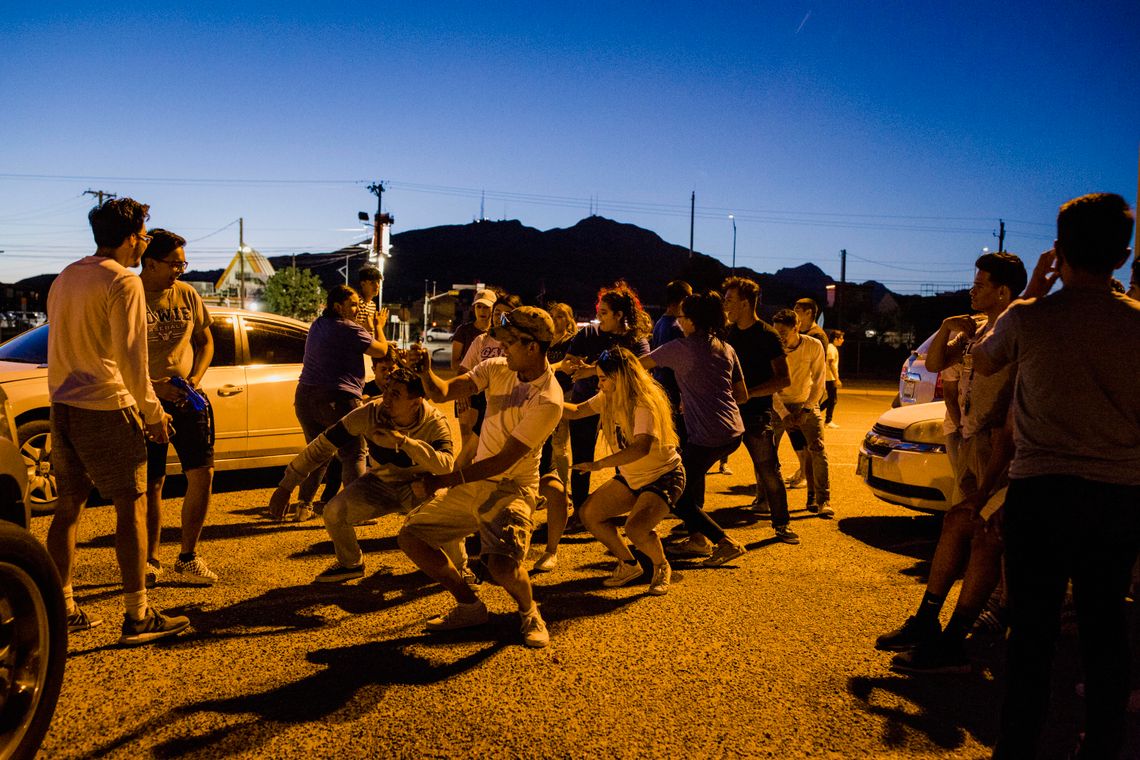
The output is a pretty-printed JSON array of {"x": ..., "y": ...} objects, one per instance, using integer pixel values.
[
  {"x": 863, "y": 467},
  {"x": 908, "y": 388}
]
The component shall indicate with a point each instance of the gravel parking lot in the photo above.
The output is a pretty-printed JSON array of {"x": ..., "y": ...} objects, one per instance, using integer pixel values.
[{"x": 770, "y": 657}]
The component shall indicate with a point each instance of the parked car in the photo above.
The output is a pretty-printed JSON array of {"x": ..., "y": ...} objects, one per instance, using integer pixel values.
[
  {"x": 438, "y": 335},
  {"x": 903, "y": 458},
  {"x": 917, "y": 384},
  {"x": 33, "y": 652},
  {"x": 251, "y": 383}
]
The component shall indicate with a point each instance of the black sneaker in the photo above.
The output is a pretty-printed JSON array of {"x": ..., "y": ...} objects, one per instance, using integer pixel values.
[
  {"x": 932, "y": 657},
  {"x": 337, "y": 573},
  {"x": 912, "y": 633},
  {"x": 785, "y": 535},
  {"x": 81, "y": 621},
  {"x": 153, "y": 627}
]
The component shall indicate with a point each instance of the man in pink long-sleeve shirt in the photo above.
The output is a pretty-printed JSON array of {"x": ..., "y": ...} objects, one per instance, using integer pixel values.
[{"x": 103, "y": 409}]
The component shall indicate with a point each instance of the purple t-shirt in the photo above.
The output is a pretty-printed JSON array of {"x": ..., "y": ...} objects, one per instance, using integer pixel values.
[
  {"x": 705, "y": 370},
  {"x": 334, "y": 355}
]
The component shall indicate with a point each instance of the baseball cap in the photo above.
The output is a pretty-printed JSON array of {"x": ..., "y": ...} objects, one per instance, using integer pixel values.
[
  {"x": 486, "y": 297},
  {"x": 527, "y": 321}
]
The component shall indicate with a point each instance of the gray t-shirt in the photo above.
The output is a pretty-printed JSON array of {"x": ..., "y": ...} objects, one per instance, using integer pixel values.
[
  {"x": 983, "y": 400},
  {"x": 705, "y": 370},
  {"x": 1076, "y": 407}
]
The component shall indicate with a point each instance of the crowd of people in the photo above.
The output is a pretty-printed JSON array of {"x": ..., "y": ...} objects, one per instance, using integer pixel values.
[{"x": 1042, "y": 424}]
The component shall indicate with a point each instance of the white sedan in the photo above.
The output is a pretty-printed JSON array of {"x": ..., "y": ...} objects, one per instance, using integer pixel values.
[
  {"x": 903, "y": 458},
  {"x": 251, "y": 382}
]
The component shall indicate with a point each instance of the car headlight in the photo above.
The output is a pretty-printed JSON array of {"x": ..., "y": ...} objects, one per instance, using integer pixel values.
[
  {"x": 7, "y": 421},
  {"x": 927, "y": 431}
]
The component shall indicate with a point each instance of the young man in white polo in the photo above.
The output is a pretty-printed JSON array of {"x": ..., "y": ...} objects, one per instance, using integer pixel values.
[{"x": 495, "y": 495}]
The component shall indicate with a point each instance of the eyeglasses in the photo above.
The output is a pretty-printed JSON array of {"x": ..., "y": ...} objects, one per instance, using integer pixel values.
[
  {"x": 144, "y": 238},
  {"x": 175, "y": 264}
]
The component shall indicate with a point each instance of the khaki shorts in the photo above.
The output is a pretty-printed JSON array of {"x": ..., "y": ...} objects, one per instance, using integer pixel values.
[
  {"x": 501, "y": 512},
  {"x": 104, "y": 448}
]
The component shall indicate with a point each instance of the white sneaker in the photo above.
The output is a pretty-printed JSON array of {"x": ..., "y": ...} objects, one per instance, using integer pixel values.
[
  {"x": 623, "y": 574},
  {"x": 533, "y": 628},
  {"x": 304, "y": 512},
  {"x": 662, "y": 574},
  {"x": 832, "y": 425},
  {"x": 796, "y": 481},
  {"x": 460, "y": 616},
  {"x": 195, "y": 571},
  {"x": 547, "y": 562}
]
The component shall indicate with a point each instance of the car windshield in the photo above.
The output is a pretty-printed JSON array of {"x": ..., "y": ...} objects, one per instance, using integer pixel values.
[{"x": 28, "y": 347}]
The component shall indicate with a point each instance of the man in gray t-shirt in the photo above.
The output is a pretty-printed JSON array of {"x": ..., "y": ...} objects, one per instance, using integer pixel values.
[{"x": 1073, "y": 507}]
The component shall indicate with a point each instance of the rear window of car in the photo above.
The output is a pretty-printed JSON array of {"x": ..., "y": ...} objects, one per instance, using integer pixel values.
[{"x": 28, "y": 347}]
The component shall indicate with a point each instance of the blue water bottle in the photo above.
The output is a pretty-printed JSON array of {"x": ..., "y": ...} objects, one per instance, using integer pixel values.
[{"x": 195, "y": 398}]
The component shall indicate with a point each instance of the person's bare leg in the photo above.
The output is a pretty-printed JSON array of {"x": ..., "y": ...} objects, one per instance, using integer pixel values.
[
  {"x": 199, "y": 483},
  {"x": 509, "y": 574},
  {"x": 436, "y": 566},
  {"x": 647, "y": 512},
  {"x": 62, "y": 534},
  {"x": 609, "y": 501},
  {"x": 951, "y": 552},
  {"x": 154, "y": 519},
  {"x": 557, "y": 505},
  {"x": 130, "y": 540}
]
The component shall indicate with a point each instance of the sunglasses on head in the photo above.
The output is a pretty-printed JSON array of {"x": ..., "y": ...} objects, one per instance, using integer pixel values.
[
  {"x": 609, "y": 361},
  {"x": 507, "y": 321}
]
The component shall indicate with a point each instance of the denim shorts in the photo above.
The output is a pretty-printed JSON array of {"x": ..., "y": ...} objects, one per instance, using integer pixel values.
[{"x": 669, "y": 486}]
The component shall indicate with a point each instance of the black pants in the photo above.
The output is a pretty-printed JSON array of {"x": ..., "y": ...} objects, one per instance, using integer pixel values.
[
  {"x": 697, "y": 460},
  {"x": 1057, "y": 528},
  {"x": 828, "y": 405},
  {"x": 583, "y": 440}
]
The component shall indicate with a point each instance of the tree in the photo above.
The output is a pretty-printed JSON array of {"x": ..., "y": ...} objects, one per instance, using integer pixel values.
[{"x": 295, "y": 293}]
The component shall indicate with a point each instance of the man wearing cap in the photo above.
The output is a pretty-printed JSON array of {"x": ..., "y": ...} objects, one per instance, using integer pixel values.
[{"x": 495, "y": 496}]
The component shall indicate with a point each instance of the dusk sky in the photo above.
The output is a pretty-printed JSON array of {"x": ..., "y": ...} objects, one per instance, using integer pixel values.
[{"x": 899, "y": 131}]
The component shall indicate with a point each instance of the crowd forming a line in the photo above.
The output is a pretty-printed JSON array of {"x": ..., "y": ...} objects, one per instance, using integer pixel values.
[{"x": 1046, "y": 488}]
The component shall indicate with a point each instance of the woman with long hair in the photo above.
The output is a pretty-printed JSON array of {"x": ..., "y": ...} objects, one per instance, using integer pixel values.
[
  {"x": 554, "y": 464},
  {"x": 712, "y": 386},
  {"x": 637, "y": 425},
  {"x": 621, "y": 323},
  {"x": 332, "y": 382}
]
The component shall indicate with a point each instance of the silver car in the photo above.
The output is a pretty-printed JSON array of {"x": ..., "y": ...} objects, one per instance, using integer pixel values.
[{"x": 251, "y": 383}]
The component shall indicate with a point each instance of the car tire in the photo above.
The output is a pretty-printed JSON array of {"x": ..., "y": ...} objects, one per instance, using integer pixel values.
[
  {"x": 33, "y": 632},
  {"x": 896, "y": 402},
  {"x": 35, "y": 447}
]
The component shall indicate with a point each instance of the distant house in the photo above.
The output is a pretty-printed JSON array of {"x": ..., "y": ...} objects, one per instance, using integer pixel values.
[{"x": 248, "y": 266}]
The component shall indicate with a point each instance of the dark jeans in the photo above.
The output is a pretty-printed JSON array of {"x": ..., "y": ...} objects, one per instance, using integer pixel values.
[
  {"x": 317, "y": 409},
  {"x": 761, "y": 444},
  {"x": 697, "y": 460},
  {"x": 583, "y": 440},
  {"x": 1057, "y": 528},
  {"x": 828, "y": 405}
]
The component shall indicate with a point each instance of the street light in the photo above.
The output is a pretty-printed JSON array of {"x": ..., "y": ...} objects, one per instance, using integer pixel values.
[{"x": 733, "y": 218}]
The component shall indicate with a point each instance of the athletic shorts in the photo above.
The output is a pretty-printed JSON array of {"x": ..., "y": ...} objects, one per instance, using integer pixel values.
[
  {"x": 669, "y": 486},
  {"x": 106, "y": 449},
  {"x": 501, "y": 512},
  {"x": 193, "y": 440}
]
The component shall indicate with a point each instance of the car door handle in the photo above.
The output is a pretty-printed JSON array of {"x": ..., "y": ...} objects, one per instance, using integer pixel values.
[{"x": 230, "y": 390}]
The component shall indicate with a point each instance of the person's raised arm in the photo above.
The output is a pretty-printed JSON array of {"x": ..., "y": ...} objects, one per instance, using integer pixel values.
[
  {"x": 943, "y": 352},
  {"x": 436, "y": 388},
  {"x": 379, "y": 345}
]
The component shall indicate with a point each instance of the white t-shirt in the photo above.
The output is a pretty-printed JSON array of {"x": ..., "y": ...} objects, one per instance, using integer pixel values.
[
  {"x": 660, "y": 459},
  {"x": 808, "y": 372},
  {"x": 528, "y": 412},
  {"x": 482, "y": 348}
]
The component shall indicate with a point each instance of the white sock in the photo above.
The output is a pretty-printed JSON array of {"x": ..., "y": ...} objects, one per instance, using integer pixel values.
[
  {"x": 69, "y": 600},
  {"x": 135, "y": 603}
]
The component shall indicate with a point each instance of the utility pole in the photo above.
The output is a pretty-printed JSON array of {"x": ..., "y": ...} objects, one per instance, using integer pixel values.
[
  {"x": 377, "y": 189},
  {"x": 241, "y": 261},
  {"x": 1000, "y": 235},
  {"x": 842, "y": 288},
  {"x": 692, "y": 217},
  {"x": 99, "y": 195}
]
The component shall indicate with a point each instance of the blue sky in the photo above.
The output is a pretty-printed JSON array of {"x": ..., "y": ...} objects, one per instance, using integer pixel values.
[{"x": 899, "y": 131}]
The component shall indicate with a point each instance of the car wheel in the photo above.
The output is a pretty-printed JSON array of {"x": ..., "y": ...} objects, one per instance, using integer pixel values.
[
  {"x": 896, "y": 402},
  {"x": 35, "y": 446},
  {"x": 33, "y": 642}
]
